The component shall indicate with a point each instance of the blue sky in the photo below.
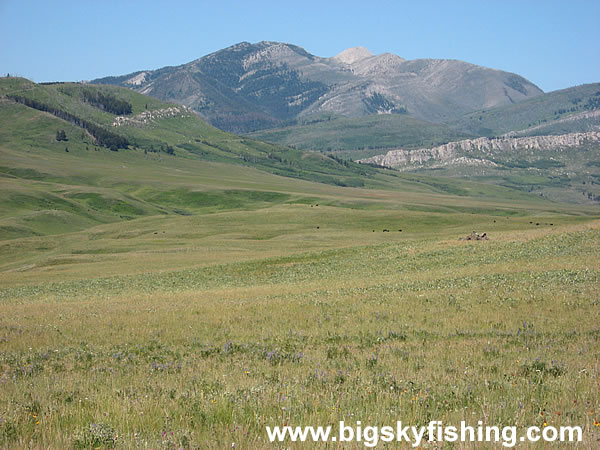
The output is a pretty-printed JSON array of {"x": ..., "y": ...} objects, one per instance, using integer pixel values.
[{"x": 555, "y": 44}]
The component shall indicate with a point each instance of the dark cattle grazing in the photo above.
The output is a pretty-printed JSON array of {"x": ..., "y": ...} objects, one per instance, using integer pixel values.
[
  {"x": 386, "y": 231},
  {"x": 400, "y": 230}
]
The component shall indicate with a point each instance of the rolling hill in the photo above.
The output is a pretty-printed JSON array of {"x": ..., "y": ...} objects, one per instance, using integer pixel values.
[
  {"x": 162, "y": 287},
  {"x": 74, "y": 156},
  {"x": 167, "y": 284},
  {"x": 159, "y": 128},
  {"x": 144, "y": 254}
]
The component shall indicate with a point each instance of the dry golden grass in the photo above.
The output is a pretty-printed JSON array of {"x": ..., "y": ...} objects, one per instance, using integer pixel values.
[{"x": 504, "y": 331}]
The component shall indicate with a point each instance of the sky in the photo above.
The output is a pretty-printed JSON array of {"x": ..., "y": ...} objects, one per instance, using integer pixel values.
[{"x": 554, "y": 44}]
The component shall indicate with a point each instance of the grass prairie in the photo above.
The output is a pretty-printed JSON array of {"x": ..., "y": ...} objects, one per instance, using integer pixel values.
[
  {"x": 301, "y": 330},
  {"x": 158, "y": 301}
]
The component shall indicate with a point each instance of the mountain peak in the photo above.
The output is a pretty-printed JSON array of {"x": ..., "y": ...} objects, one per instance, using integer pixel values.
[
  {"x": 351, "y": 55},
  {"x": 251, "y": 86}
]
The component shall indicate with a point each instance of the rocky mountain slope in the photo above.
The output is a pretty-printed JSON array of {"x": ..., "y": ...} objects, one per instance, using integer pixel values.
[
  {"x": 249, "y": 87},
  {"x": 570, "y": 110}
]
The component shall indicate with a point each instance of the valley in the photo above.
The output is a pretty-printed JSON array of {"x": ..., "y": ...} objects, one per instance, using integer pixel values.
[{"x": 166, "y": 284}]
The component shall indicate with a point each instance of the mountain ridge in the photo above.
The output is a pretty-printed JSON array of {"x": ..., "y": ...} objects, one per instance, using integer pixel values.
[
  {"x": 571, "y": 110},
  {"x": 248, "y": 87}
]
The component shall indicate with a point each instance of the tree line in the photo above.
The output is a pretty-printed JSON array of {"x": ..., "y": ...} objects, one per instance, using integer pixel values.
[
  {"x": 104, "y": 137},
  {"x": 107, "y": 102}
]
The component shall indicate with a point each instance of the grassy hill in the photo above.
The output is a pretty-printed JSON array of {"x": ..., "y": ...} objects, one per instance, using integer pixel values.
[
  {"x": 183, "y": 134},
  {"x": 186, "y": 299}
]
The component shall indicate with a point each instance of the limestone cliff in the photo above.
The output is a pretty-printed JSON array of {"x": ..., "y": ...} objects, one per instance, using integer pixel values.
[{"x": 460, "y": 152}]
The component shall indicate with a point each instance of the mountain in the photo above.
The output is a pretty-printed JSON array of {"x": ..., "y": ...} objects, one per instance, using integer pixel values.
[
  {"x": 572, "y": 110},
  {"x": 576, "y": 109},
  {"x": 249, "y": 87}
]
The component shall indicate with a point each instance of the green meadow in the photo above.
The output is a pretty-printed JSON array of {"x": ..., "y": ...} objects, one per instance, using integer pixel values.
[{"x": 150, "y": 300}]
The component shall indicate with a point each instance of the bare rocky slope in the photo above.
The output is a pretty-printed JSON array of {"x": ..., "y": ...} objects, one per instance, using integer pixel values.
[
  {"x": 249, "y": 87},
  {"x": 481, "y": 151}
]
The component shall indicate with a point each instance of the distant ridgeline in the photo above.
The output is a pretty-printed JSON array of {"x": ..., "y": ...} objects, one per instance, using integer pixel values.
[
  {"x": 104, "y": 137},
  {"x": 249, "y": 87}
]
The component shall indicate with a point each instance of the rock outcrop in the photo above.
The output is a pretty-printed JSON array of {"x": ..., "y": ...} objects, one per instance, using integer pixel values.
[
  {"x": 147, "y": 117},
  {"x": 454, "y": 152}
]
